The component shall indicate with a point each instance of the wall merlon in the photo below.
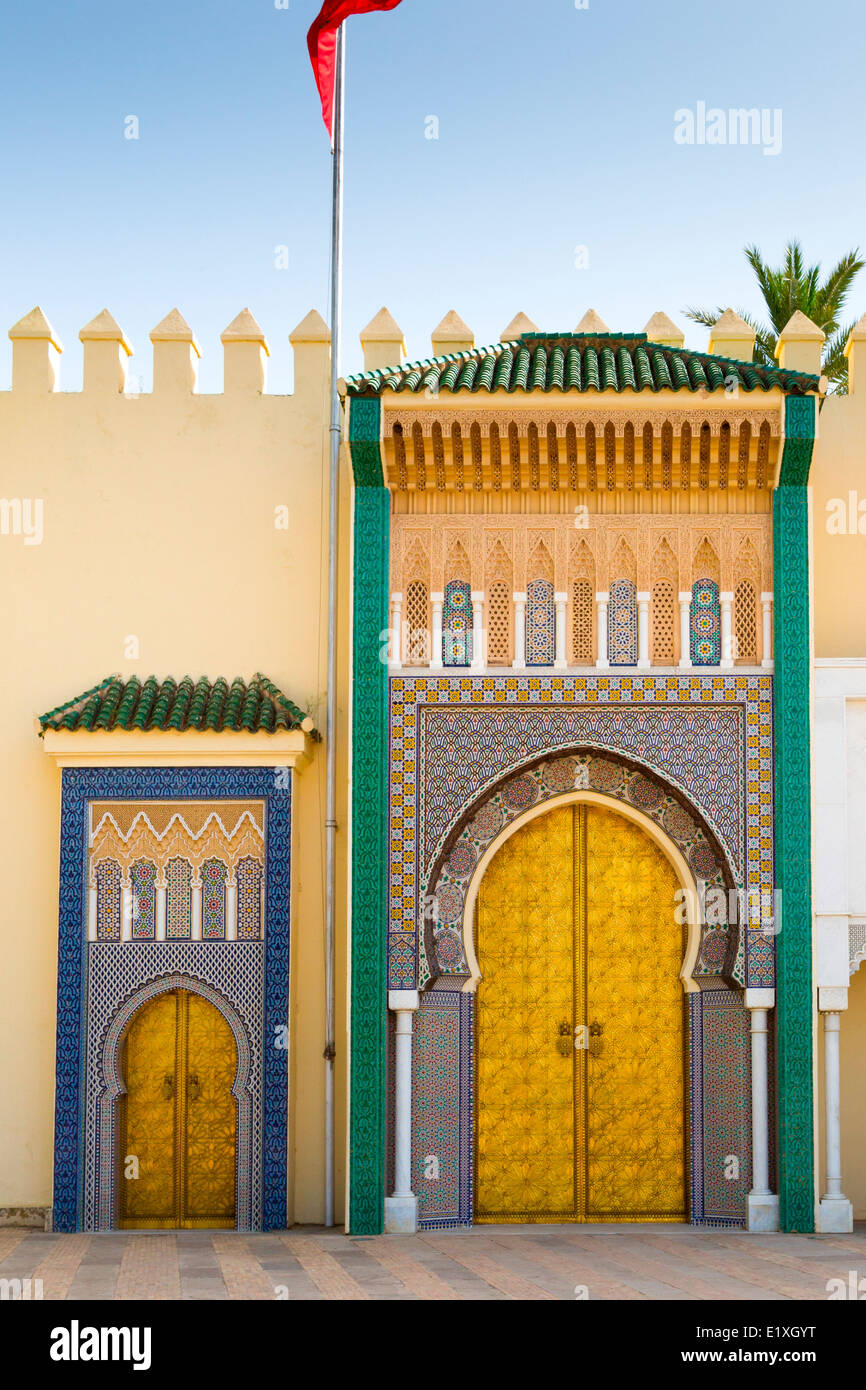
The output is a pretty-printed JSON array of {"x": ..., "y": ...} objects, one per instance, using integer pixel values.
[
  {"x": 245, "y": 348},
  {"x": 452, "y": 335},
  {"x": 592, "y": 323},
  {"x": 799, "y": 346},
  {"x": 175, "y": 355},
  {"x": 36, "y": 351},
  {"x": 731, "y": 336},
  {"x": 106, "y": 349},
  {"x": 662, "y": 329},
  {"x": 382, "y": 342},
  {"x": 521, "y": 323},
  {"x": 311, "y": 342},
  {"x": 855, "y": 351}
]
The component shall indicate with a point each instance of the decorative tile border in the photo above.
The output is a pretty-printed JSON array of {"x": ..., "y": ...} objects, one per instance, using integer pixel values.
[{"x": 79, "y": 787}]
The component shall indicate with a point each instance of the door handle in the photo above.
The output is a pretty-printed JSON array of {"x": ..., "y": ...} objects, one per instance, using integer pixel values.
[
  {"x": 596, "y": 1042},
  {"x": 194, "y": 1086},
  {"x": 168, "y": 1088},
  {"x": 564, "y": 1041}
]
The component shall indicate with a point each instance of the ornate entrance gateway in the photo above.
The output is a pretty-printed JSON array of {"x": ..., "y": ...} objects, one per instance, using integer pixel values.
[
  {"x": 581, "y": 1025},
  {"x": 178, "y": 1118}
]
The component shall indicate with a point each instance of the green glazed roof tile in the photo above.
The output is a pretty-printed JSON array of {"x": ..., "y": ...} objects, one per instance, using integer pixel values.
[
  {"x": 579, "y": 362},
  {"x": 253, "y": 706}
]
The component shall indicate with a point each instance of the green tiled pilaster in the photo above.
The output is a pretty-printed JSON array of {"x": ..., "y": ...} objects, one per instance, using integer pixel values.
[
  {"x": 369, "y": 824},
  {"x": 793, "y": 818}
]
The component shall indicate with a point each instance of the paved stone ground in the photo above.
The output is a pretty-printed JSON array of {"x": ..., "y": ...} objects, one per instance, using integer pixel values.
[{"x": 486, "y": 1262}]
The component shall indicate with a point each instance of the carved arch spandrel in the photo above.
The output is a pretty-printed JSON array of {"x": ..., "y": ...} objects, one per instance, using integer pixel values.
[
  {"x": 623, "y": 562},
  {"x": 706, "y": 560}
]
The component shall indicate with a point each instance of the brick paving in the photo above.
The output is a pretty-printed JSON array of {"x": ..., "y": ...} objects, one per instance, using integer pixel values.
[{"x": 559, "y": 1263}]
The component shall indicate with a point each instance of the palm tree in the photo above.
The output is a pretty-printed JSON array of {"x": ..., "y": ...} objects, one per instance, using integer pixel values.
[{"x": 792, "y": 287}]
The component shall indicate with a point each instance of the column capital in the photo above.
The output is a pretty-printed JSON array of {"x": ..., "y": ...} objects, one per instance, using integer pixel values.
[
  {"x": 602, "y": 596},
  {"x": 685, "y": 596},
  {"x": 767, "y": 598},
  {"x": 437, "y": 598},
  {"x": 397, "y": 596},
  {"x": 477, "y": 595},
  {"x": 519, "y": 597},
  {"x": 832, "y": 999},
  {"x": 560, "y": 598},
  {"x": 643, "y": 596},
  {"x": 403, "y": 1000},
  {"x": 760, "y": 999},
  {"x": 726, "y": 596}
]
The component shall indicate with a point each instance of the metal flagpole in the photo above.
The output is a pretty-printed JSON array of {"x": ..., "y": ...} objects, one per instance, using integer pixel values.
[{"x": 333, "y": 527}]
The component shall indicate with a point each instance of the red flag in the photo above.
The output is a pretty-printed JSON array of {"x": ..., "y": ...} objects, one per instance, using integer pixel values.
[{"x": 322, "y": 43}]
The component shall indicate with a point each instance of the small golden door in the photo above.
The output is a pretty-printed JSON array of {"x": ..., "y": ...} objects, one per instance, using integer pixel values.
[{"x": 178, "y": 1118}]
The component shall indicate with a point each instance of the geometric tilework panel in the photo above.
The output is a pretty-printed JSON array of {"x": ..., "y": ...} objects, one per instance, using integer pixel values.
[
  {"x": 721, "y": 1055},
  {"x": 179, "y": 900},
  {"x": 249, "y": 875},
  {"x": 540, "y": 623},
  {"x": 706, "y": 624},
  {"x": 236, "y": 970},
  {"x": 622, "y": 624},
  {"x": 108, "y": 900},
  {"x": 142, "y": 877},
  {"x": 441, "y": 1109},
  {"x": 454, "y": 739},
  {"x": 213, "y": 900},
  {"x": 457, "y": 624},
  {"x": 117, "y": 973}
]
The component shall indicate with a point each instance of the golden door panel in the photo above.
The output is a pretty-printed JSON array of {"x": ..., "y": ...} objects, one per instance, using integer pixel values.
[
  {"x": 179, "y": 1117},
  {"x": 635, "y": 1123},
  {"x": 211, "y": 1125},
  {"x": 575, "y": 929},
  {"x": 147, "y": 1120},
  {"x": 525, "y": 1134}
]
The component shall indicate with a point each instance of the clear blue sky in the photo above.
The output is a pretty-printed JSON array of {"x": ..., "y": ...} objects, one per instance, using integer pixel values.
[{"x": 556, "y": 130}]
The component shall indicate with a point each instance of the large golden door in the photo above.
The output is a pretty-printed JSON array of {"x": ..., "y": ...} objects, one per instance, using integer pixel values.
[
  {"x": 580, "y": 1035},
  {"x": 178, "y": 1117}
]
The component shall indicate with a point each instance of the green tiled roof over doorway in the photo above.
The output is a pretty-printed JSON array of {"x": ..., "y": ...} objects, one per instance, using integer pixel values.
[
  {"x": 215, "y": 706},
  {"x": 578, "y": 362}
]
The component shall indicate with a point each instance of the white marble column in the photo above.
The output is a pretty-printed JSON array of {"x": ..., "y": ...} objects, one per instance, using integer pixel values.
[
  {"x": 92, "y": 911},
  {"x": 127, "y": 908},
  {"x": 231, "y": 908},
  {"x": 726, "y": 604},
  {"x": 602, "y": 600},
  {"x": 767, "y": 629},
  {"x": 685, "y": 661},
  {"x": 519, "y": 662},
  {"x": 161, "y": 907},
  {"x": 762, "y": 1205},
  {"x": 436, "y": 662},
  {"x": 195, "y": 925},
  {"x": 396, "y": 656},
  {"x": 835, "y": 1212},
  {"x": 401, "y": 1209},
  {"x": 478, "y": 652},
  {"x": 560, "y": 659},
  {"x": 643, "y": 654}
]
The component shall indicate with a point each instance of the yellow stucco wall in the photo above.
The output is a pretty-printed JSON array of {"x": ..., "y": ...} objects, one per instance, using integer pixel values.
[
  {"x": 839, "y": 560},
  {"x": 159, "y": 524}
]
